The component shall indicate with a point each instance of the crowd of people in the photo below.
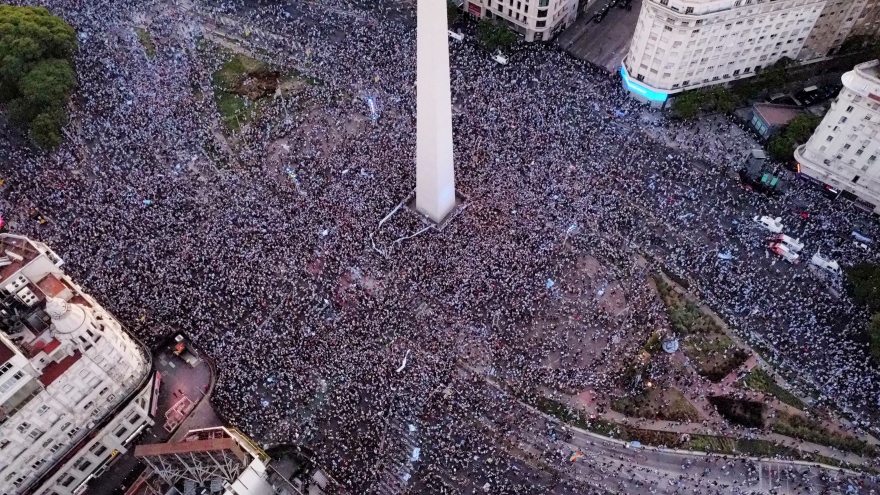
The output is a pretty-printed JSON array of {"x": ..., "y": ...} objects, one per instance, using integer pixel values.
[{"x": 177, "y": 223}]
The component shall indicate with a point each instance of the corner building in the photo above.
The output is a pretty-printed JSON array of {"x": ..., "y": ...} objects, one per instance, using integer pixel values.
[
  {"x": 535, "y": 20},
  {"x": 75, "y": 387},
  {"x": 842, "y": 152},
  {"x": 680, "y": 45}
]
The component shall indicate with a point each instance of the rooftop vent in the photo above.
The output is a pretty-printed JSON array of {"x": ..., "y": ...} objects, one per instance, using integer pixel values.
[
  {"x": 27, "y": 296},
  {"x": 16, "y": 284}
]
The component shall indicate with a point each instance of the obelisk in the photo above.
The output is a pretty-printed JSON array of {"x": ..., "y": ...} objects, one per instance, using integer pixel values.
[{"x": 435, "y": 176}]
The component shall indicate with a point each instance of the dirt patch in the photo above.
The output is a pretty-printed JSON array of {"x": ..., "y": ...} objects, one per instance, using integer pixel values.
[{"x": 257, "y": 84}]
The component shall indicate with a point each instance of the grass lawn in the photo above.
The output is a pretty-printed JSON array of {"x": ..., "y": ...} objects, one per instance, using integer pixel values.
[
  {"x": 147, "y": 41},
  {"x": 701, "y": 443},
  {"x": 668, "y": 405},
  {"x": 235, "y": 110},
  {"x": 712, "y": 352},
  {"x": 709, "y": 443},
  {"x": 759, "y": 380},
  {"x": 810, "y": 430}
]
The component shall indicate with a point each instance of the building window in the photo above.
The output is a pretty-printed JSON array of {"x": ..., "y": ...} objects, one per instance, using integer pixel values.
[
  {"x": 43, "y": 410},
  {"x": 10, "y": 382},
  {"x": 856, "y": 179},
  {"x": 859, "y": 152},
  {"x": 121, "y": 432},
  {"x": 23, "y": 427},
  {"x": 542, "y": 13},
  {"x": 67, "y": 481},
  {"x": 846, "y": 146},
  {"x": 849, "y": 109},
  {"x": 3, "y": 444},
  {"x": 6, "y": 367},
  {"x": 35, "y": 434},
  {"x": 668, "y": 28},
  {"x": 872, "y": 158},
  {"x": 842, "y": 120},
  {"x": 83, "y": 464},
  {"x": 98, "y": 449},
  {"x": 540, "y": 24}
]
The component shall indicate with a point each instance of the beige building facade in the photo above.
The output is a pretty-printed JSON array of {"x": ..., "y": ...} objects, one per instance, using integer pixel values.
[
  {"x": 680, "y": 45},
  {"x": 842, "y": 153},
  {"x": 535, "y": 20},
  {"x": 840, "y": 20}
]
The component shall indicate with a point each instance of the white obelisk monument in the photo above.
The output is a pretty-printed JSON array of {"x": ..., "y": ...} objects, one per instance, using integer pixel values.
[{"x": 435, "y": 176}]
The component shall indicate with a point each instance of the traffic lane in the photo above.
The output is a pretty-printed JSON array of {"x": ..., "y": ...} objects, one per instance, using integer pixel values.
[{"x": 730, "y": 470}]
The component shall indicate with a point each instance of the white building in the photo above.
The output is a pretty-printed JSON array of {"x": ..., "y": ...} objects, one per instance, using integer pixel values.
[
  {"x": 842, "y": 152},
  {"x": 535, "y": 20},
  {"x": 688, "y": 44},
  {"x": 74, "y": 385}
]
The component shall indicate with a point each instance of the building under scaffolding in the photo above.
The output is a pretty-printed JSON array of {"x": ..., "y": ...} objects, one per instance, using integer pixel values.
[{"x": 218, "y": 461}]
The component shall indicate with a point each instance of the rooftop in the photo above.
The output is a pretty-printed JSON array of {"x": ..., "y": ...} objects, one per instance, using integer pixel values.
[
  {"x": 54, "y": 370},
  {"x": 776, "y": 115},
  {"x": 870, "y": 69}
]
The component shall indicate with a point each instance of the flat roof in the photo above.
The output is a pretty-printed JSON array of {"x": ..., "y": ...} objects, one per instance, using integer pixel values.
[
  {"x": 54, "y": 370},
  {"x": 19, "y": 246},
  {"x": 774, "y": 114},
  {"x": 6, "y": 352},
  {"x": 51, "y": 286}
]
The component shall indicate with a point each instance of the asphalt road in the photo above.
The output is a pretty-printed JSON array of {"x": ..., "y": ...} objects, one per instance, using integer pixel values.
[
  {"x": 606, "y": 43},
  {"x": 647, "y": 470}
]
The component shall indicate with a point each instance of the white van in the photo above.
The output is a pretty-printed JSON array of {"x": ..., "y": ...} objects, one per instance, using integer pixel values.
[
  {"x": 772, "y": 224},
  {"x": 826, "y": 264},
  {"x": 501, "y": 59},
  {"x": 784, "y": 251},
  {"x": 455, "y": 36},
  {"x": 794, "y": 244}
]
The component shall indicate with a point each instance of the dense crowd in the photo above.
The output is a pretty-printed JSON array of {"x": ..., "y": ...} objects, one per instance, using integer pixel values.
[{"x": 276, "y": 275}]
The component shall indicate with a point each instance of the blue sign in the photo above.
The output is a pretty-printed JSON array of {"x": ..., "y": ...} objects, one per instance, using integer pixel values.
[{"x": 637, "y": 88}]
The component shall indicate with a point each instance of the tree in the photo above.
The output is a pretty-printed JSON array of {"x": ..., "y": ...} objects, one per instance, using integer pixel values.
[
  {"x": 780, "y": 148},
  {"x": 864, "y": 281},
  {"x": 874, "y": 337},
  {"x": 798, "y": 130},
  {"x": 36, "y": 70},
  {"x": 688, "y": 105},
  {"x": 452, "y": 13},
  {"x": 495, "y": 35},
  {"x": 723, "y": 100}
]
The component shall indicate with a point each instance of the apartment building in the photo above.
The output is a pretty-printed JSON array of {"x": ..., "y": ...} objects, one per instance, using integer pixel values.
[
  {"x": 836, "y": 23},
  {"x": 535, "y": 20},
  {"x": 680, "y": 45},
  {"x": 842, "y": 152},
  {"x": 75, "y": 387}
]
